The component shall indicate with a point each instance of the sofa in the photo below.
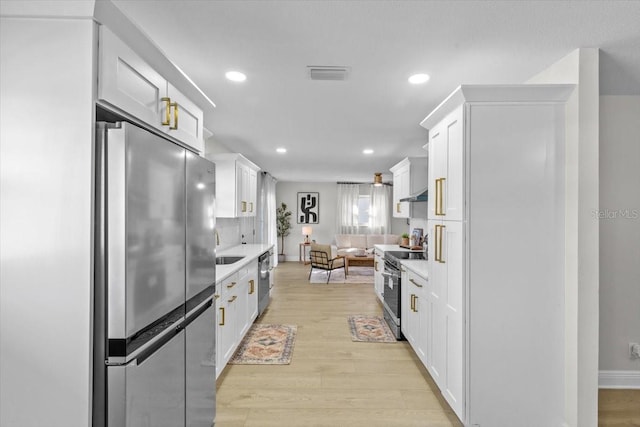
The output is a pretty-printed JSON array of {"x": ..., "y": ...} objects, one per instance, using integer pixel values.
[{"x": 346, "y": 244}]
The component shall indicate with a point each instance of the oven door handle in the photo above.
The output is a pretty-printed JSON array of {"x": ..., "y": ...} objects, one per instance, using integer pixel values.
[{"x": 389, "y": 274}]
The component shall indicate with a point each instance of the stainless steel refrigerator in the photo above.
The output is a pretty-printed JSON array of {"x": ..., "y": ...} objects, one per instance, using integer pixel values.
[{"x": 154, "y": 322}]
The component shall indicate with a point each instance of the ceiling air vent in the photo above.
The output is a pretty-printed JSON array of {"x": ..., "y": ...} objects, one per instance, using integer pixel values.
[{"x": 327, "y": 73}]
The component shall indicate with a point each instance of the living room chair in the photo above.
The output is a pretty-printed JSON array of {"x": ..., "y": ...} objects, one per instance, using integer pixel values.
[{"x": 322, "y": 259}]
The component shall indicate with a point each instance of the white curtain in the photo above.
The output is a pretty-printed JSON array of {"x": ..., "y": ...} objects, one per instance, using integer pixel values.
[
  {"x": 379, "y": 210},
  {"x": 347, "y": 209}
]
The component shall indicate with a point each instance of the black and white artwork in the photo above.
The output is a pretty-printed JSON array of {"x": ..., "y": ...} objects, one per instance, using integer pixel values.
[{"x": 308, "y": 208}]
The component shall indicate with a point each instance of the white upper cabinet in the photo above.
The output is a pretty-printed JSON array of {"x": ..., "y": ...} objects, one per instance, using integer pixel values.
[
  {"x": 127, "y": 82},
  {"x": 236, "y": 185},
  {"x": 409, "y": 177},
  {"x": 185, "y": 119},
  {"x": 445, "y": 168}
]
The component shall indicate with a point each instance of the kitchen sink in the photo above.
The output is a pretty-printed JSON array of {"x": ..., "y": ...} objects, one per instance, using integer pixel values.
[{"x": 224, "y": 260}]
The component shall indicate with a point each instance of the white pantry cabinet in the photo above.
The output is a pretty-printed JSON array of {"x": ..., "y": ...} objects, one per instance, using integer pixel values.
[
  {"x": 496, "y": 253},
  {"x": 409, "y": 176},
  {"x": 236, "y": 185},
  {"x": 127, "y": 82}
]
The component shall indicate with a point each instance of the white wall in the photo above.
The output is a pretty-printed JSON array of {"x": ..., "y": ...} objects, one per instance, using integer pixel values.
[
  {"x": 580, "y": 67},
  {"x": 324, "y": 231},
  {"x": 47, "y": 79},
  {"x": 619, "y": 234}
]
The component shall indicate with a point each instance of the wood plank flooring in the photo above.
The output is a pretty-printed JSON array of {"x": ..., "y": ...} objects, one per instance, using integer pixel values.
[{"x": 333, "y": 381}]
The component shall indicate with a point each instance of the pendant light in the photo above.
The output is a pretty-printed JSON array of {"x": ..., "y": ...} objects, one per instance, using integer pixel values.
[{"x": 377, "y": 179}]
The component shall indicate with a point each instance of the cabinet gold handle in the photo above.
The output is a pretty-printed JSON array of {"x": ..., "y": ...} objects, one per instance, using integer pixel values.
[
  {"x": 175, "y": 116},
  {"x": 244, "y": 206},
  {"x": 439, "y": 197},
  {"x": 250, "y": 206},
  {"x": 442, "y": 227},
  {"x": 414, "y": 282},
  {"x": 167, "y": 111},
  {"x": 412, "y": 301},
  {"x": 415, "y": 299},
  {"x": 375, "y": 265},
  {"x": 231, "y": 285},
  {"x": 216, "y": 296},
  {"x": 250, "y": 286},
  {"x": 232, "y": 299},
  {"x": 222, "y": 316},
  {"x": 436, "y": 239},
  {"x": 398, "y": 207}
]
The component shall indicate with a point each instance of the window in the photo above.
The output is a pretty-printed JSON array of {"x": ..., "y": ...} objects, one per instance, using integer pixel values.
[{"x": 363, "y": 210}]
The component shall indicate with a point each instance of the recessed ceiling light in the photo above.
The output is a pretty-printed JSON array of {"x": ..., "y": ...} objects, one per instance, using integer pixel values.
[
  {"x": 235, "y": 76},
  {"x": 281, "y": 150},
  {"x": 367, "y": 151},
  {"x": 417, "y": 79}
]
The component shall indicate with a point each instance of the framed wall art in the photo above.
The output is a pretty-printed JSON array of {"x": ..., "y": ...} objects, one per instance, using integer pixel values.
[{"x": 308, "y": 208}]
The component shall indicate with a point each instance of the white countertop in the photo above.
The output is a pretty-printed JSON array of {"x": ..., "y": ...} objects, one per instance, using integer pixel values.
[
  {"x": 418, "y": 266},
  {"x": 386, "y": 248},
  {"x": 250, "y": 252}
]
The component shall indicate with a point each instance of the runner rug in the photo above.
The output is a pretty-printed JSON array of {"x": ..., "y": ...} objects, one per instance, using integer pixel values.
[
  {"x": 356, "y": 275},
  {"x": 370, "y": 329},
  {"x": 266, "y": 344}
]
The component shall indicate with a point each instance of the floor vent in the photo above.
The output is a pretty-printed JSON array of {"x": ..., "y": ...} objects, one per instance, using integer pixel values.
[{"x": 327, "y": 73}]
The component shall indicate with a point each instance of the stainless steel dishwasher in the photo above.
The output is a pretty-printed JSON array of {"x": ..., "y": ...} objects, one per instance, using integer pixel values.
[{"x": 264, "y": 270}]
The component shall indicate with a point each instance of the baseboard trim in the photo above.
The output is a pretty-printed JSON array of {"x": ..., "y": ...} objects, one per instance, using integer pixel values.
[{"x": 619, "y": 379}]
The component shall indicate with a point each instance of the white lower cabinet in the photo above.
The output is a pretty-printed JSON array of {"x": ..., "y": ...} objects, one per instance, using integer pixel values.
[
  {"x": 414, "y": 311},
  {"x": 237, "y": 309},
  {"x": 378, "y": 268},
  {"x": 226, "y": 312},
  {"x": 252, "y": 295}
]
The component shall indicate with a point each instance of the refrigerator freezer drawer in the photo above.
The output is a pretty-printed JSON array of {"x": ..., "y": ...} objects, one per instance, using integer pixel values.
[
  {"x": 201, "y": 368},
  {"x": 151, "y": 392}
]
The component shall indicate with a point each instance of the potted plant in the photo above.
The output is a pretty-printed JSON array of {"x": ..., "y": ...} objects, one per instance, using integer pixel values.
[
  {"x": 405, "y": 239},
  {"x": 283, "y": 220}
]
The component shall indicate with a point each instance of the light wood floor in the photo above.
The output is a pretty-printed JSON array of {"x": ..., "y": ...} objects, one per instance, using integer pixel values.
[{"x": 333, "y": 381}]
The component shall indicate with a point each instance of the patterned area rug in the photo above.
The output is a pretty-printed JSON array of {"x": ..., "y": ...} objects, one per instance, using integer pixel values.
[
  {"x": 370, "y": 329},
  {"x": 356, "y": 275},
  {"x": 266, "y": 344}
]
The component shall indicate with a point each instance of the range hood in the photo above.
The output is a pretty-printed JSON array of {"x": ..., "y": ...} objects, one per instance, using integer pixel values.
[{"x": 420, "y": 196}]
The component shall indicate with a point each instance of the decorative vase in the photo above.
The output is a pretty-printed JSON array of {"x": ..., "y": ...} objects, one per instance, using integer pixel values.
[{"x": 404, "y": 241}]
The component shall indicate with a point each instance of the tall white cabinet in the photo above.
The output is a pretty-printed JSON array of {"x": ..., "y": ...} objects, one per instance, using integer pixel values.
[{"x": 496, "y": 276}]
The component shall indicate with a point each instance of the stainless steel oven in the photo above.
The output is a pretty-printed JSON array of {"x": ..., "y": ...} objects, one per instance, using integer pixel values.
[{"x": 392, "y": 286}]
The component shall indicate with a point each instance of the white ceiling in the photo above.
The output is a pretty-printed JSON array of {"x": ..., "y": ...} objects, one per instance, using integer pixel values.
[{"x": 325, "y": 125}]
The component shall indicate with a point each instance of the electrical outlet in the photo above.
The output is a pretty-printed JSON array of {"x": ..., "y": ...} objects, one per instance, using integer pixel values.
[{"x": 634, "y": 350}]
